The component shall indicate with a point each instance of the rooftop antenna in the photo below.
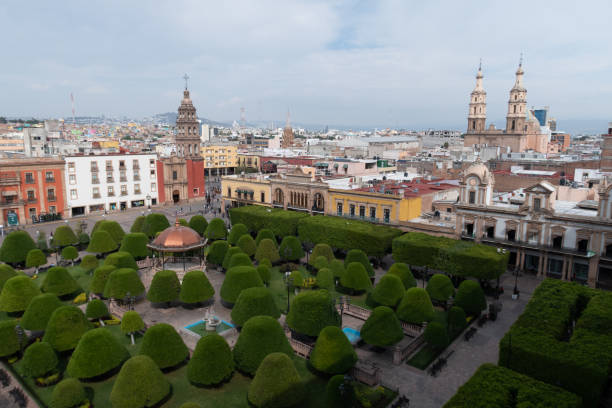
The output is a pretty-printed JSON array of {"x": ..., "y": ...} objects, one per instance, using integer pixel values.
[{"x": 186, "y": 78}]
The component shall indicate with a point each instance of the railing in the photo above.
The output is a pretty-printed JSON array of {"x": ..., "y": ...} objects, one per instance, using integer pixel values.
[
  {"x": 10, "y": 181},
  {"x": 136, "y": 166},
  {"x": 124, "y": 193},
  {"x": 413, "y": 330},
  {"x": 29, "y": 180},
  {"x": 51, "y": 198},
  {"x": 364, "y": 218},
  {"x": 94, "y": 169},
  {"x": 110, "y": 180},
  {"x": 50, "y": 180},
  {"x": 400, "y": 354},
  {"x": 123, "y": 179},
  {"x": 355, "y": 311},
  {"x": 5, "y": 203},
  {"x": 535, "y": 245},
  {"x": 137, "y": 192},
  {"x": 111, "y": 194},
  {"x": 136, "y": 178},
  {"x": 32, "y": 200},
  {"x": 95, "y": 181},
  {"x": 301, "y": 349},
  {"x": 96, "y": 196}
]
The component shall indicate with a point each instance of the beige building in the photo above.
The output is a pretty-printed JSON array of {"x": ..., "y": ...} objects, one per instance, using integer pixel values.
[
  {"x": 249, "y": 160},
  {"x": 220, "y": 159}
]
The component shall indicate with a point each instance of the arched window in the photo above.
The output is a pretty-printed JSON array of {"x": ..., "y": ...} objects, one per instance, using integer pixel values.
[
  {"x": 473, "y": 124},
  {"x": 514, "y": 108},
  {"x": 513, "y": 125}
]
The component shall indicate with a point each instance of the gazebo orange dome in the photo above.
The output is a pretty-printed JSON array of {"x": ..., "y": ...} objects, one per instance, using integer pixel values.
[{"x": 177, "y": 239}]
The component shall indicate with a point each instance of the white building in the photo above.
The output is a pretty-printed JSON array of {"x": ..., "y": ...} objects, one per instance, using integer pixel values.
[{"x": 110, "y": 182}]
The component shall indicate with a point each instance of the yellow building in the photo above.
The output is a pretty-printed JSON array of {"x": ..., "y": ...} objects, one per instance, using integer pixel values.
[
  {"x": 376, "y": 207},
  {"x": 249, "y": 160},
  {"x": 240, "y": 190},
  {"x": 109, "y": 144},
  {"x": 219, "y": 159}
]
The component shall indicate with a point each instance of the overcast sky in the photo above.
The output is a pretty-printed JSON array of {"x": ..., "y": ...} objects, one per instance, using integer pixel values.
[{"x": 358, "y": 63}]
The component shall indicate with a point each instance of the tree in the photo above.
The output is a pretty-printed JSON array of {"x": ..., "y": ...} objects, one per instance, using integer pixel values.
[
  {"x": 440, "y": 287},
  {"x": 389, "y": 291},
  {"x": 470, "y": 297},
  {"x": 165, "y": 287},
  {"x": 59, "y": 281},
  {"x": 237, "y": 231},
  {"x": 198, "y": 223},
  {"x": 100, "y": 277},
  {"x": 97, "y": 353},
  {"x": 39, "y": 360},
  {"x": 332, "y": 353},
  {"x": 337, "y": 267},
  {"x": 64, "y": 236},
  {"x": 65, "y": 328},
  {"x": 340, "y": 393},
  {"x": 355, "y": 278},
  {"x": 216, "y": 252},
  {"x": 320, "y": 262},
  {"x": 382, "y": 328},
  {"x": 322, "y": 250},
  {"x": 154, "y": 223},
  {"x": 266, "y": 249},
  {"x": 252, "y": 302},
  {"x": 247, "y": 244},
  {"x": 96, "y": 310},
  {"x": 17, "y": 293},
  {"x": 216, "y": 229},
  {"x": 35, "y": 259},
  {"x": 456, "y": 320},
  {"x": 402, "y": 271},
  {"x": 140, "y": 383},
  {"x": 311, "y": 311},
  {"x": 415, "y": 306},
  {"x": 83, "y": 240},
  {"x": 265, "y": 233},
  {"x": 291, "y": 249},
  {"x": 325, "y": 278},
  {"x": 436, "y": 335},
  {"x": 89, "y": 262},
  {"x": 260, "y": 336},
  {"x": 357, "y": 255},
  {"x": 297, "y": 280},
  {"x": 138, "y": 225},
  {"x": 183, "y": 222},
  {"x": 228, "y": 256},
  {"x": 70, "y": 253},
  {"x": 101, "y": 243},
  {"x": 164, "y": 345},
  {"x": 9, "y": 342},
  {"x": 236, "y": 280},
  {"x": 276, "y": 383},
  {"x": 39, "y": 311},
  {"x": 121, "y": 259},
  {"x": 69, "y": 393},
  {"x": 135, "y": 243},
  {"x": 131, "y": 323},
  {"x": 121, "y": 282},
  {"x": 239, "y": 259},
  {"x": 6, "y": 272},
  {"x": 264, "y": 274},
  {"x": 113, "y": 228},
  {"x": 196, "y": 288},
  {"x": 15, "y": 247},
  {"x": 212, "y": 361}
]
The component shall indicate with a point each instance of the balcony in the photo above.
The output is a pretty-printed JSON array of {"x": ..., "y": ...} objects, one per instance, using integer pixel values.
[
  {"x": 29, "y": 180},
  {"x": 51, "y": 199},
  {"x": 49, "y": 179},
  {"x": 11, "y": 203},
  {"x": 136, "y": 178},
  {"x": 536, "y": 246},
  {"x": 95, "y": 181},
  {"x": 96, "y": 195},
  {"x": 110, "y": 180},
  {"x": 94, "y": 169},
  {"x": 123, "y": 179},
  {"x": 124, "y": 193},
  {"x": 11, "y": 181},
  {"x": 109, "y": 168},
  {"x": 137, "y": 192},
  {"x": 32, "y": 200},
  {"x": 111, "y": 194},
  {"x": 136, "y": 166}
]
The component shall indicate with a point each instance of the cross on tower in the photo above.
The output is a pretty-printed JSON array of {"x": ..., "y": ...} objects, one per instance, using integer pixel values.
[{"x": 186, "y": 78}]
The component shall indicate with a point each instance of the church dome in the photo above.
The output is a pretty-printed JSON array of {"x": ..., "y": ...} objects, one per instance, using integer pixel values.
[
  {"x": 178, "y": 238},
  {"x": 480, "y": 170}
]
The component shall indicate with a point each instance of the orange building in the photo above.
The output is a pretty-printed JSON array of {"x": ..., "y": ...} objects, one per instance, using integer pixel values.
[{"x": 31, "y": 188}]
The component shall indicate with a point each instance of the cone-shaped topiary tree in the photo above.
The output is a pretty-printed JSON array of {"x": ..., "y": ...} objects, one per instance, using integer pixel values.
[
  {"x": 266, "y": 249},
  {"x": 229, "y": 254},
  {"x": 337, "y": 267},
  {"x": 212, "y": 361},
  {"x": 333, "y": 352},
  {"x": 6, "y": 273},
  {"x": 254, "y": 302},
  {"x": 121, "y": 259},
  {"x": 291, "y": 249},
  {"x": 415, "y": 306},
  {"x": 357, "y": 255},
  {"x": 83, "y": 239},
  {"x": 236, "y": 232},
  {"x": 340, "y": 393},
  {"x": 69, "y": 393},
  {"x": 39, "y": 311},
  {"x": 456, "y": 320},
  {"x": 470, "y": 297},
  {"x": 140, "y": 383},
  {"x": 325, "y": 278},
  {"x": 15, "y": 247},
  {"x": 196, "y": 288},
  {"x": 64, "y": 236},
  {"x": 297, "y": 280},
  {"x": 135, "y": 243},
  {"x": 382, "y": 328},
  {"x": 17, "y": 293},
  {"x": 265, "y": 233},
  {"x": 165, "y": 287},
  {"x": 138, "y": 225},
  {"x": 265, "y": 262},
  {"x": 59, "y": 281},
  {"x": 276, "y": 383},
  {"x": 121, "y": 281},
  {"x": 101, "y": 243},
  {"x": 260, "y": 336},
  {"x": 131, "y": 323},
  {"x": 440, "y": 287},
  {"x": 113, "y": 228},
  {"x": 100, "y": 277},
  {"x": 216, "y": 229},
  {"x": 389, "y": 291},
  {"x": 436, "y": 335},
  {"x": 355, "y": 278},
  {"x": 70, "y": 253},
  {"x": 9, "y": 342},
  {"x": 65, "y": 328},
  {"x": 216, "y": 252},
  {"x": 164, "y": 345},
  {"x": 321, "y": 250},
  {"x": 97, "y": 353},
  {"x": 239, "y": 259},
  {"x": 264, "y": 273},
  {"x": 35, "y": 259},
  {"x": 320, "y": 263},
  {"x": 198, "y": 223},
  {"x": 89, "y": 262},
  {"x": 311, "y": 311},
  {"x": 96, "y": 310},
  {"x": 39, "y": 360},
  {"x": 236, "y": 280},
  {"x": 183, "y": 222},
  {"x": 247, "y": 244},
  {"x": 402, "y": 271},
  {"x": 154, "y": 223}
]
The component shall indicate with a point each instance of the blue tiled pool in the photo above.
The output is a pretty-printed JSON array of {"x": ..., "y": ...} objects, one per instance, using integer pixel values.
[
  {"x": 200, "y": 327},
  {"x": 353, "y": 335}
]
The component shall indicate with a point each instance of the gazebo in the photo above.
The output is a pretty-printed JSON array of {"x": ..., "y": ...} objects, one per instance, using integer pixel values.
[{"x": 177, "y": 239}]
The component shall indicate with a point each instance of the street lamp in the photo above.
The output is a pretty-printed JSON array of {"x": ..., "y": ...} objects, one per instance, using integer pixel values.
[
  {"x": 20, "y": 335},
  {"x": 342, "y": 301},
  {"x": 289, "y": 283},
  {"x": 148, "y": 201}
]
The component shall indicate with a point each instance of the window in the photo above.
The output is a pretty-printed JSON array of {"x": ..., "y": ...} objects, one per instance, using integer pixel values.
[
  {"x": 71, "y": 167},
  {"x": 557, "y": 242},
  {"x": 196, "y": 191},
  {"x": 72, "y": 179},
  {"x": 136, "y": 188},
  {"x": 94, "y": 178},
  {"x": 32, "y": 213},
  {"x": 153, "y": 187},
  {"x": 109, "y": 165},
  {"x": 29, "y": 177},
  {"x": 94, "y": 166},
  {"x": 109, "y": 177},
  {"x": 49, "y": 178},
  {"x": 152, "y": 163},
  {"x": 152, "y": 172},
  {"x": 339, "y": 209},
  {"x": 387, "y": 214},
  {"x": 111, "y": 191},
  {"x": 52, "y": 209},
  {"x": 73, "y": 194},
  {"x": 536, "y": 203},
  {"x": 263, "y": 197},
  {"x": 352, "y": 210},
  {"x": 31, "y": 196},
  {"x": 472, "y": 197},
  {"x": 96, "y": 192},
  {"x": 372, "y": 212},
  {"x": 135, "y": 164},
  {"x": 174, "y": 175},
  {"x": 229, "y": 192},
  {"x": 122, "y": 176},
  {"x": 361, "y": 211},
  {"x": 136, "y": 175},
  {"x": 491, "y": 232},
  {"x": 51, "y": 194},
  {"x": 583, "y": 245},
  {"x": 124, "y": 190},
  {"x": 121, "y": 163}
]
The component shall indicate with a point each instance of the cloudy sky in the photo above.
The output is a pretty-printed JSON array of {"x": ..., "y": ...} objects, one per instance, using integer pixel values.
[{"x": 356, "y": 63}]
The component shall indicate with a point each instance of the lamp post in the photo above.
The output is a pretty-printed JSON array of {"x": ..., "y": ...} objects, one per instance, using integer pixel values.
[
  {"x": 289, "y": 283},
  {"x": 342, "y": 301},
  {"x": 20, "y": 335}
]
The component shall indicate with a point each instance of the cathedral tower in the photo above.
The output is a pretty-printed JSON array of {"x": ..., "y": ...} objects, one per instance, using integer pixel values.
[
  {"x": 517, "y": 105},
  {"x": 287, "y": 134},
  {"x": 478, "y": 105},
  {"x": 188, "y": 128}
]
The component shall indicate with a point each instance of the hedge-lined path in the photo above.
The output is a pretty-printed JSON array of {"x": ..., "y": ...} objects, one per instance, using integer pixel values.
[
  {"x": 425, "y": 391},
  {"x": 6, "y": 400}
]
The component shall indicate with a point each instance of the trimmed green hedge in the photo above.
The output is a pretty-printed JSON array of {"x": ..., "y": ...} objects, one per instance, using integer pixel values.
[
  {"x": 69, "y": 393},
  {"x": 357, "y": 255},
  {"x": 212, "y": 361},
  {"x": 101, "y": 243},
  {"x": 311, "y": 311},
  {"x": 138, "y": 225},
  {"x": 333, "y": 352},
  {"x": 247, "y": 244},
  {"x": 6, "y": 273},
  {"x": 319, "y": 263},
  {"x": 337, "y": 267},
  {"x": 470, "y": 297},
  {"x": 39, "y": 360},
  {"x": 17, "y": 293},
  {"x": 121, "y": 281},
  {"x": 135, "y": 243},
  {"x": 89, "y": 262},
  {"x": 382, "y": 328},
  {"x": 39, "y": 311},
  {"x": 276, "y": 384},
  {"x": 239, "y": 259},
  {"x": 281, "y": 222},
  {"x": 64, "y": 236},
  {"x": 228, "y": 256},
  {"x": 96, "y": 309},
  {"x": 236, "y": 280},
  {"x": 265, "y": 233},
  {"x": 237, "y": 231},
  {"x": 264, "y": 273},
  {"x": 415, "y": 306},
  {"x": 165, "y": 287},
  {"x": 402, "y": 271},
  {"x": 321, "y": 250},
  {"x": 216, "y": 229},
  {"x": 120, "y": 260},
  {"x": 340, "y": 233},
  {"x": 498, "y": 387},
  {"x": 325, "y": 278},
  {"x": 34, "y": 259},
  {"x": 389, "y": 291},
  {"x": 198, "y": 223},
  {"x": 260, "y": 336},
  {"x": 9, "y": 342},
  {"x": 97, "y": 353},
  {"x": 291, "y": 249},
  {"x": 216, "y": 252},
  {"x": 266, "y": 249},
  {"x": 113, "y": 228},
  {"x": 252, "y": 302},
  {"x": 456, "y": 320},
  {"x": 436, "y": 335},
  {"x": 154, "y": 223},
  {"x": 65, "y": 328},
  {"x": 164, "y": 345},
  {"x": 100, "y": 277},
  {"x": 15, "y": 247},
  {"x": 440, "y": 287},
  {"x": 59, "y": 281},
  {"x": 356, "y": 278},
  {"x": 140, "y": 383},
  {"x": 131, "y": 322},
  {"x": 196, "y": 288}
]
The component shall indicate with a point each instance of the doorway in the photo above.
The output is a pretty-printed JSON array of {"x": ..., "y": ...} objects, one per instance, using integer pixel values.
[{"x": 176, "y": 196}]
